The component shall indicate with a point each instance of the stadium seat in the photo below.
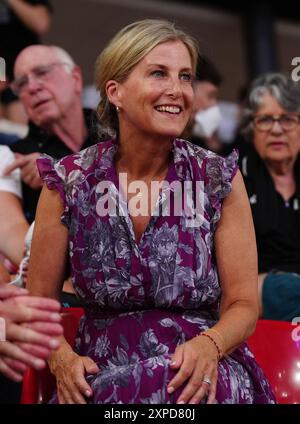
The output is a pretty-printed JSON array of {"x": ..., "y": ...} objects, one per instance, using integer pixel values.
[{"x": 276, "y": 346}]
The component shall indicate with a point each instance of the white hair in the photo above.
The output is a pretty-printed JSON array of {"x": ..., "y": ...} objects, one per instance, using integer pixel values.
[
  {"x": 280, "y": 86},
  {"x": 63, "y": 57}
]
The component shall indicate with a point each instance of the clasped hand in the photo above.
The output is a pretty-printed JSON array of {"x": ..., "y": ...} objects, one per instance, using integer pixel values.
[{"x": 32, "y": 325}]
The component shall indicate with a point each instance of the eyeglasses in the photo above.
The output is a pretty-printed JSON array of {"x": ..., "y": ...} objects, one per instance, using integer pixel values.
[
  {"x": 287, "y": 122},
  {"x": 39, "y": 74}
]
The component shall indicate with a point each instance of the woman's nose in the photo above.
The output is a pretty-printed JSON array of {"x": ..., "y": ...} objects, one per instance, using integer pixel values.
[
  {"x": 276, "y": 127},
  {"x": 174, "y": 87}
]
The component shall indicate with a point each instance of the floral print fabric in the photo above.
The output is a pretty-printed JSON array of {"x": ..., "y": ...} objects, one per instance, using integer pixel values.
[{"x": 143, "y": 299}]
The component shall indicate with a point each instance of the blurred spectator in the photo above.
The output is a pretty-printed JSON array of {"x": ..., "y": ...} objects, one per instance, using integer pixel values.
[
  {"x": 10, "y": 132},
  {"x": 90, "y": 97},
  {"x": 239, "y": 141},
  {"x": 230, "y": 119},
  {"x": 206, "y": 116},
  {"x": 13, "y": 225},
  {"x": 271, "y": 170},
  {"x": 21, "y": 24},
  {"x": 49, "y": 85}
]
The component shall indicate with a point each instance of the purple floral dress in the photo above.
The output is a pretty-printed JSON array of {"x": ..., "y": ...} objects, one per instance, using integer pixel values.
[{"x": 143, "y": 299}]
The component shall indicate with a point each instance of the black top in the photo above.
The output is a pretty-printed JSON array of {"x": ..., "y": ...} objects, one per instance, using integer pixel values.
[
  {"x": 225, "y": 148},
  {"x": 38, "y": 140},
  {"x": 277, "y": 223},
  {"x": 14, "y": 35}
]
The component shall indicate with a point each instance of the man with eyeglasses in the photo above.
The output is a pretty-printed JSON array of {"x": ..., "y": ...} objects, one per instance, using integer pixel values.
[
  {"x": 271, "y": 170},
  {"x": 49, "y": 84}
]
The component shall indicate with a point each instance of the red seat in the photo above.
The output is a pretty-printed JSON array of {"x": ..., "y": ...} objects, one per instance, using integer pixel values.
[
  {"x": 272, "y": 344},
  {"x": 276, "y": 347},
  {"x": 38, "y": 386}
]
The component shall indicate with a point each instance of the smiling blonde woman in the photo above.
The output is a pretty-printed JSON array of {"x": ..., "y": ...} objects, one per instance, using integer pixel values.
[{"x": 168, "y": 304}]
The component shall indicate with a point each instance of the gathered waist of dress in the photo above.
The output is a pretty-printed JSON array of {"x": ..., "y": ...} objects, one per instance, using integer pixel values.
[{"x": 98, "y": 313}]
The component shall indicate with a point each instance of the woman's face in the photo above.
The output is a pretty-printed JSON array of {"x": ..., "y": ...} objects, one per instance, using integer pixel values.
[
  {"x": 156, "y": 99},
  {"x": 276, "y": 144}
]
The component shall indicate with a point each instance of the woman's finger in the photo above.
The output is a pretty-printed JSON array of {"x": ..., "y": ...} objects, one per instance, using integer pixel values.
[
  {"x": 80, "y": 367},
  {"x": 18, "y": 333},
  {"x": 35, "y": 350},
  {"x": 9, "y": 372},
  {"x": 36, "y": 302},
  {"x": 177, "y": 357},
  {"x": 7, "y": 291},
  {"x": 194, "y": 383},
  {"x": 15, "y": 352},
  {"x": 206, "y": 381},
  {"x": 183, "y": 374},
  {"x": 213, "y": 388},
  {"x": 60, "y": 394},
  {"x": 67, "y": 395},
  {"x": 50, "y": 329},
  {"x": 17, "y": 310},
  {"x": 77, "y": 397},
  {"x": 17, "y": 366}
]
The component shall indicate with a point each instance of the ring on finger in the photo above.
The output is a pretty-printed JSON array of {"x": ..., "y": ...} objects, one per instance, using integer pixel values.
[{"x": 206, "y": 380}]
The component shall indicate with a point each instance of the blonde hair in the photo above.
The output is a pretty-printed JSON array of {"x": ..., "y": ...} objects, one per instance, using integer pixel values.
[{"x": 126, "y": 50}]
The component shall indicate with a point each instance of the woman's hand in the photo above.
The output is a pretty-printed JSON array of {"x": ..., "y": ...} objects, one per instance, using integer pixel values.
[
  {"x": 31, "y": 329},
  {"x": 197, "y": 361},
  {"x": 69, "y": 370},
  {"x": 32, "y": 344}
]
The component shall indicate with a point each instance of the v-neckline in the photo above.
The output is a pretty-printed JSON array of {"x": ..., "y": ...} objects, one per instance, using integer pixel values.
[{"x": 170, "y": 176}]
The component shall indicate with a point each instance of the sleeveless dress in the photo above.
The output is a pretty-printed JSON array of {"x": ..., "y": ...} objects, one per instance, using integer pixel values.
[{"x": 143, "y": 299}]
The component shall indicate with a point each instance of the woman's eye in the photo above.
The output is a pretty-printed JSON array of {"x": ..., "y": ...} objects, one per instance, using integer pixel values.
[
  {"x": 186, "y": 77},
  {"x": 157, "y": 73}
]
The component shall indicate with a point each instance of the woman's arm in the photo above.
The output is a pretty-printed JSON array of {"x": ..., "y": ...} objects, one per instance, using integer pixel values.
[
  {"x": 13, "y": 227},
  {"x": 49, "y": 249},
  {"x": 236, "y": 254},
  {"x": 47, "y": 272},
  {"x": 35, "y": 17}
]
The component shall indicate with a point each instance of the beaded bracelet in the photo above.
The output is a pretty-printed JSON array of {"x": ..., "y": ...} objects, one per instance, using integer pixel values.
[
  {"x": 214, "y": 342},
  {"x": 219, "y": 335}
]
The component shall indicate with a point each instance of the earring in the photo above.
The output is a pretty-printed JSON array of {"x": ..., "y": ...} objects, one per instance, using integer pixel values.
[{"x": 117, "y": 109}]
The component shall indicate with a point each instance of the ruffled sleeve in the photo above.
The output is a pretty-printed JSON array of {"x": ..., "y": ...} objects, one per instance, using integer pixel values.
[
  {"x": 219, "y": 175},
  {"x": 53, "y": 173}
]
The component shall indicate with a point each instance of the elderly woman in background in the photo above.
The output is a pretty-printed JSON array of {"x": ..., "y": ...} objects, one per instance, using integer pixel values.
[
  {"x": 271, "y": 170},
  {"x": 169, "y": 297}
]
